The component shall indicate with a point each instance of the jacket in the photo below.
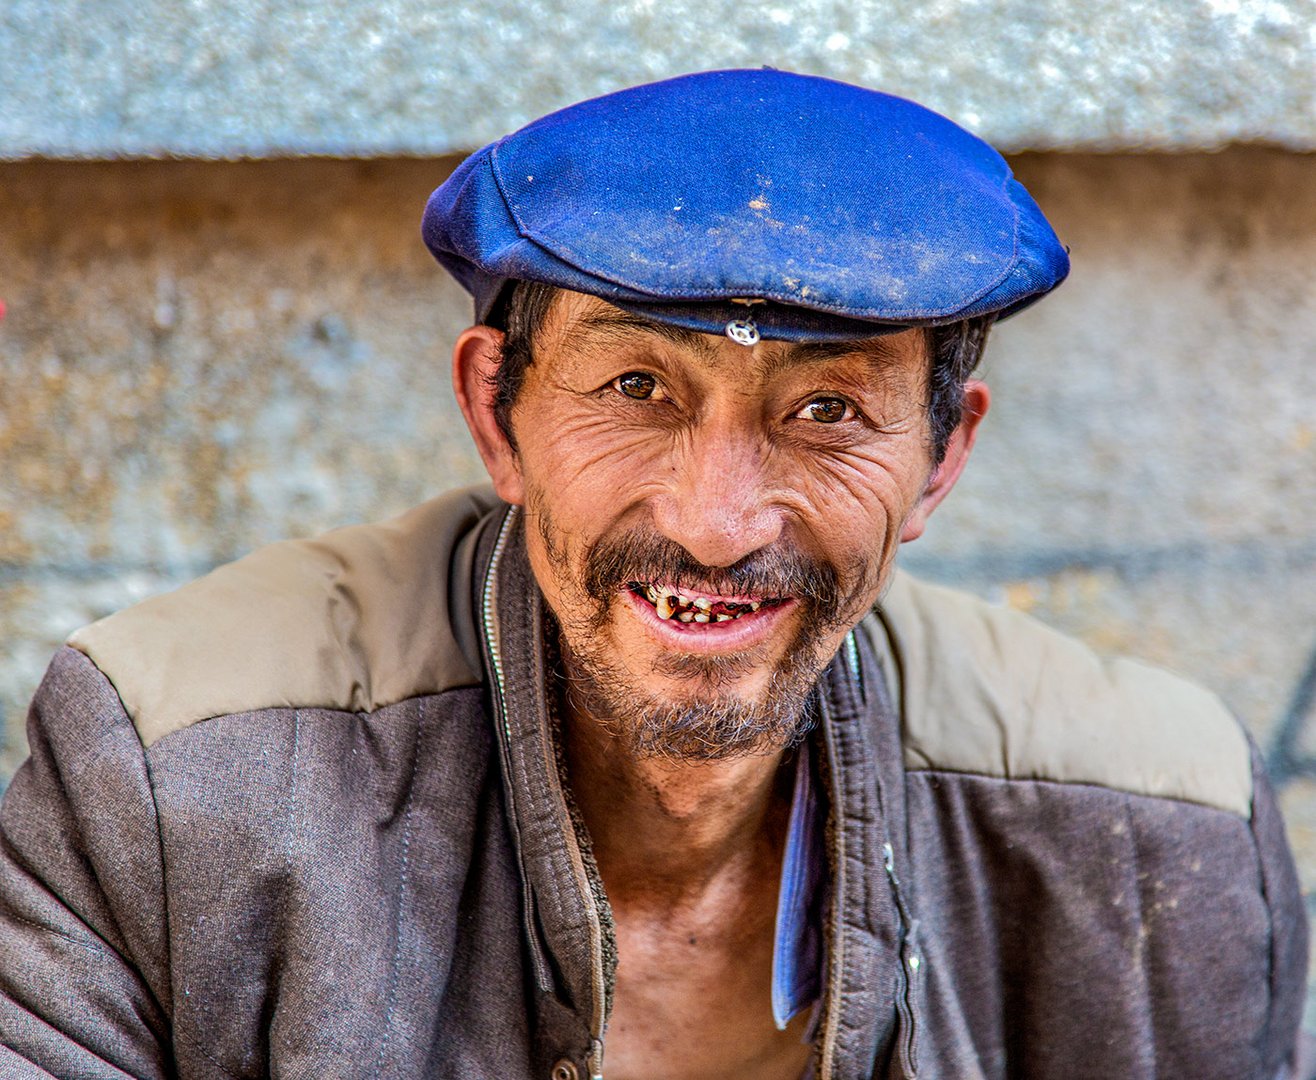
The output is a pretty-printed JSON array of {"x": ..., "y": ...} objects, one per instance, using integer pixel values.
[{"x": 302, "y": 818}]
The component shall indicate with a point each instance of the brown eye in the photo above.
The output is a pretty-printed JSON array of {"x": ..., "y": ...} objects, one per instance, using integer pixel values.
[
  {"x": 636, "y": 384},
  {"x": 827, "y": 410}
]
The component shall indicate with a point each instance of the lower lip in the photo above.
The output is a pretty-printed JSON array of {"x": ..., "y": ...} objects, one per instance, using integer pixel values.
[{"x": 740, "y": 633}]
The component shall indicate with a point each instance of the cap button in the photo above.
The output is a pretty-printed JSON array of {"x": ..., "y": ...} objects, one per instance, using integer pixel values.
[{"x": 743, "y": 332}]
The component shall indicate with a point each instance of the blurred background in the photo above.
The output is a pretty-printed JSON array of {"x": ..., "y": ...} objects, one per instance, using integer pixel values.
[{"x": 220, "y": 327}]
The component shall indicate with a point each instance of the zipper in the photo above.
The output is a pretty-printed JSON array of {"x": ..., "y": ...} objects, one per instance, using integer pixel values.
[
  {"x": 832, "y": 1012},
  {"x": 911, "y": 963},
  {"x": 594, "y": 1058},
  {"x": 852, "y": 654},
  {"x": 911, "y": 968},
  {"x": 489, "y": 624}
]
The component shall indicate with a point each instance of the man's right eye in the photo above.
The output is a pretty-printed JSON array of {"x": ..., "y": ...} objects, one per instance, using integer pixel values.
[{"x": 637, "y": 385}]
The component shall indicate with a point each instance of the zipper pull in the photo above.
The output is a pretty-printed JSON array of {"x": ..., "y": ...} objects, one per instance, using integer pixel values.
[{"x": 595, "y": 1059}]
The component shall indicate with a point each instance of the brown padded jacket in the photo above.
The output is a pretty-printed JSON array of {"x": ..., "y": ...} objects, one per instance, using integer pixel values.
[{"x": 302, "y": 818}]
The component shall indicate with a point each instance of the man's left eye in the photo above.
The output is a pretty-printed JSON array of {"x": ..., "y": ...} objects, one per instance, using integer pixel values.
[
  {"x": 827, "y": 410},
  {"x": 639, "y": 385}
]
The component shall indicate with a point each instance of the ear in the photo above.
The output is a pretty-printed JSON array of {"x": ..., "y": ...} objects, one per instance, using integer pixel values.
[
  {"x": 475, "y": 361},
  {"x": 977, "y": 399}
]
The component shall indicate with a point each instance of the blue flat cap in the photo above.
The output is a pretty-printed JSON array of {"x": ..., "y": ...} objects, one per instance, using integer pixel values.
[{"x": 840, "y": 211}]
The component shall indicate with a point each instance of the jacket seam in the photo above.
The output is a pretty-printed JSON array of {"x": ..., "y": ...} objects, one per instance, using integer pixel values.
[
  {"x": 402, "y": 894},
  {"x": 1127, "y": 813},
  {"x": 93, "y": 946},
  {"x": 303, "y": 707},
  {"x": 289, "y": 847},
  {"x": 1108, "y": 788},
  {"x": 1272, "y": 982},
  {"x": 166, "y": 1007},
  {"x": 196, "y": 1045}
]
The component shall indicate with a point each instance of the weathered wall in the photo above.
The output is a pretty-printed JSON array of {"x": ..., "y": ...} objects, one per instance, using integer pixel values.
[
  {"x": 198, "y": 358},
  {"x": 104, "y": 78}
]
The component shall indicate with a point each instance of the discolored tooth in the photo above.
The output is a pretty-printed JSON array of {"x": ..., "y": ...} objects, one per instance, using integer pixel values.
[
  {"x": 664, "y": 606},
  {"x": 651, "y": 593},
  {"x": 704, "y": 605},
  {"x": 686, "y": 616},
  {"x": 701, "y": 616},
  {"x": 725, "y": 618},
  {"x": 754, "y": 605}
]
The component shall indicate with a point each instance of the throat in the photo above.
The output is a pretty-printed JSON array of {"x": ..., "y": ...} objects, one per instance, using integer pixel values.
[{"x": 666, "y": 829}]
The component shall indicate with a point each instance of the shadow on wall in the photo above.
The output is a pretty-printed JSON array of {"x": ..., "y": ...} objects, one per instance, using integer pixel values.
[{"x": 1287, "y": 757}]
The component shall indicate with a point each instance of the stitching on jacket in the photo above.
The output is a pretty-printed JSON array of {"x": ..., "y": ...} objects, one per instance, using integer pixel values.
[
  {"x": 289, "y": 848},
  {"x": 166, "y": 1007},
  {"x": 1274, "y": 983},
  {"x": 402, "y": 892},
  {"x": 196, "y": 1045},
  {"x": 1140, "y": 922},
  {"x": 1052, "y": 782},
  {"x": 90, "y": 946}
]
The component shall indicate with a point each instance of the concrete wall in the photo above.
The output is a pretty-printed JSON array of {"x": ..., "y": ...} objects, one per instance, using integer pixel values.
[
  {"x": 107, "y": 78},
  {"x": 199, "y": 358}
]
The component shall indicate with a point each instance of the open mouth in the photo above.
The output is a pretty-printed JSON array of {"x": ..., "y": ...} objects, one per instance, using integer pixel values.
[{"x": 686, "y": 607}]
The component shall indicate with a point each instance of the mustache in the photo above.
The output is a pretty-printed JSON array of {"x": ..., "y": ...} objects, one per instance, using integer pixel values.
[{"x": 642, "y": 555}]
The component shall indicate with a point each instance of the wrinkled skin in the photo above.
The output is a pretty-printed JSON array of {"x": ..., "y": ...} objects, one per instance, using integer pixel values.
[
  {"x": 787, "y": 476},
  {"x": 728, "y": 454}
]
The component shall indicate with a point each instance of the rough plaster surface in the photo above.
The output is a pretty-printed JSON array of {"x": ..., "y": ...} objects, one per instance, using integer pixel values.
[
  {"x": 277, "y": 77},
  {"x": 200, "y": 358}
]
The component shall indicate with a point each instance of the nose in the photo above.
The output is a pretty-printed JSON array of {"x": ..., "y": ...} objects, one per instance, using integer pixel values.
[{"x": 719, "y": 503}]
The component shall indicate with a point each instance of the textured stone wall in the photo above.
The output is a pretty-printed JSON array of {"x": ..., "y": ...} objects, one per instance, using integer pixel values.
[
  {"x": 199, "y": 358},
  {"x": 107, "y": 78}
]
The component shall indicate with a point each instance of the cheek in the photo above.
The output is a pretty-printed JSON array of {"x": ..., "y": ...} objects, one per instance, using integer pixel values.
[
  {"x": 859, "y": 498},
  {"x": 594, "y": 462},
  {"x": 581, "y": 474}
]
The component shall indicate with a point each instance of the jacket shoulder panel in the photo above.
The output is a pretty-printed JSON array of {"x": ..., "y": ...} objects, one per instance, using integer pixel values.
[
  {"x": 994, "y": 692},
  {"x": 359, "y": 618}
]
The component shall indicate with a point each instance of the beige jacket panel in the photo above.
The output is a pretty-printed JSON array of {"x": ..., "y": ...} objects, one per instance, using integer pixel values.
[
  {"x": 356, "y": 619},
  {"x": 990, "y": 691}
]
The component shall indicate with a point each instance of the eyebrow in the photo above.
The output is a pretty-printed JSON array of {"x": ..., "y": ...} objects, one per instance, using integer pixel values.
[
  {"x": 876, "y": 350},
  {"x": 614, "y": 323}
]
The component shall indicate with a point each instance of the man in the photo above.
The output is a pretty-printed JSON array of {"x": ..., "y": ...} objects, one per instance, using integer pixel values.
[{"x": 647, "y": 763}]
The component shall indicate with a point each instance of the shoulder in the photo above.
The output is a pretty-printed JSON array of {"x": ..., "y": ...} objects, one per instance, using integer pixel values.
[
  {"x": 360, "y": 618},
  {"x": 990, "y": 691}
]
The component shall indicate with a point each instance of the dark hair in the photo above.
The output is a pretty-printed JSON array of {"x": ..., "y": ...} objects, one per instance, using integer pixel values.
[{"x": 954, "y": 351}]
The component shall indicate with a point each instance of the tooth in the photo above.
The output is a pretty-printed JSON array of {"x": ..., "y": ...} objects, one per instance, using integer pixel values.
[
  {"x": 686, "y": 616},
  {"x": 754, "y": 605},
  {"x": 664, "y": 606},
  {"x": 701, "y": 616},
  {"x": 651, "y": 593},
  {"x": 704, "y": 605},
  {"x": 725, "y": 618}
]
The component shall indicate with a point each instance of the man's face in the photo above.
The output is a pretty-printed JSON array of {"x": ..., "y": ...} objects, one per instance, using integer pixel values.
[{"x": 706, "y": 520}]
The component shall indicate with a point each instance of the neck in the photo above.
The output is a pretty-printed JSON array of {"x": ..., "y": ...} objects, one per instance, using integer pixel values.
[{"x": 665, "y": 831}]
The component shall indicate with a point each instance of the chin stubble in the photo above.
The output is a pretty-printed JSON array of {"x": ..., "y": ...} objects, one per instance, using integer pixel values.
[{"x": 713, "y": 726}]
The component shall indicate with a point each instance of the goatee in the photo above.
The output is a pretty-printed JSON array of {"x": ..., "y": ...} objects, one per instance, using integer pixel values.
[{"x": 710, "y": 722}]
